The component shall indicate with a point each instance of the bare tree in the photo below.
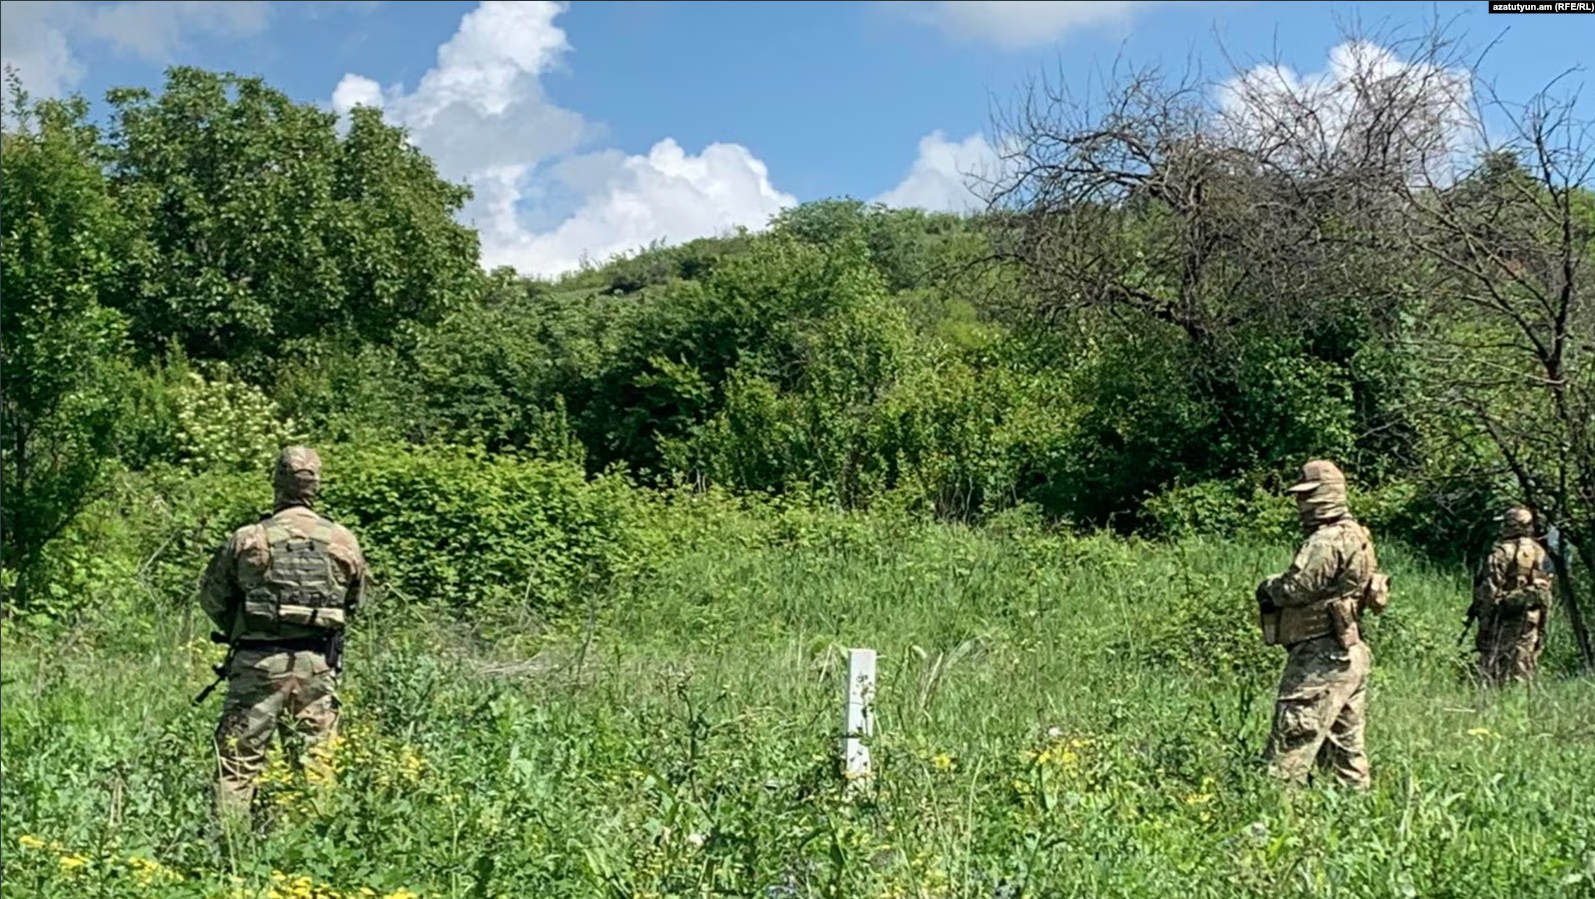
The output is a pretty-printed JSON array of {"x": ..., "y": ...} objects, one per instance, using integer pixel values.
[
  {"x": 1508, "y": 325},
  {"x": 1211, "y": 202}
]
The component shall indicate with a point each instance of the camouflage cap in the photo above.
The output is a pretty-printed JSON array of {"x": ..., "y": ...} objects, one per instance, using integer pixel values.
[
  {"x": 298, "y": 460},
  {"x": 1519, "y": 516},
  {"x": 1315, "y": 474}
]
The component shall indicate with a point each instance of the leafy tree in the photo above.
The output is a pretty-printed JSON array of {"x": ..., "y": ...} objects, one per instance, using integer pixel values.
[
  {"x": 264, "y": 230},
  {"x": 60, "y": 348},
  {"x": 1226, "y": 222}
]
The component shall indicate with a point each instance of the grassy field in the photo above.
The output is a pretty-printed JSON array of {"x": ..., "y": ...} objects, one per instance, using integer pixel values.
[{"x": 1058, "y": 717}]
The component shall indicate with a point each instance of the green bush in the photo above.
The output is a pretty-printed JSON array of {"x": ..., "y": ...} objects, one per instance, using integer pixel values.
[
  {"x": 1222, "y": 509},
  {"x": 470, "y": 533}
]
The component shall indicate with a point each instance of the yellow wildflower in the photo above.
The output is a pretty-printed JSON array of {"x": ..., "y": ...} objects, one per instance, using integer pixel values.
[
  {"x": 147, "y": 871},
  {"x": 72, "y": 862},
  {"x": 29, "y": 841},
  {"x": 1203, "y": 793}
]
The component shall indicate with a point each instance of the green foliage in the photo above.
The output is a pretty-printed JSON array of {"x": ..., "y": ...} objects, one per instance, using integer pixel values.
[
  {"x": 350, "y": 392},
  {"x": 912, "y": 248},
  {"x": 59, "y": 346},
  {"x": 851, "y": 355},
  {"x": 1060, "y": 715},
  {"x": 476, "y": 536},
  {"x": 1055, "y": 716},
  {"x": 227, "y": 424},
  {"x": 1198, "y": 627},
  {"x": 1223, "y": 509},
  {"x": 1144, "y": 422},
  {"x": 262, "y": 229},
  {"x": 492, "y": 374},
  {"x": 659, "y": 264}
]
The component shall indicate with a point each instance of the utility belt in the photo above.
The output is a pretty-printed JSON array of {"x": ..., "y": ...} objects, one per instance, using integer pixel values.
[
  {"x": 1519, "y": 615},
  {"x": 330, "y": 646},
  {"x": 315, "y": 643},
  {"x": 1520, "y": 601}
]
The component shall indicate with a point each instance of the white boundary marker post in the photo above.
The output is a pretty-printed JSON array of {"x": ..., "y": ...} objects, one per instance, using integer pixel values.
[{"x": 858, "y": 713}]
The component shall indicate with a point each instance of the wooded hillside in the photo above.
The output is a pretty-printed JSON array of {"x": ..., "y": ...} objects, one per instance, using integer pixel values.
[{"x": 1172, "y": 301}]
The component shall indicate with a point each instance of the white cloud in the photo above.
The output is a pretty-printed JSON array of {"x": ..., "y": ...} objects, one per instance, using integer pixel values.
[
  {"x": 1017, "y": 24},
  {"x": 157, "y": 32},
  {"x": 482, "y": 115},
  {"x": 1314, "y": 120},
  {"x": 356, "y": 90},
  {"x": 33, "y": 39},
  {"x": 38, "y": 37},
  {"x": 943, "y": 174},
  {"x": 668, "y": 195}
]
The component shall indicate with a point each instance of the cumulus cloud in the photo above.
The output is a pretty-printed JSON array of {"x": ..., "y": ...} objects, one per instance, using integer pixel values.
[
  {"x": 33, "y": 40},
  {"x": 356, "y": 90},
  {"x": 944, "y": 174},
  {"x": 37, "y": 36},
  {"x": 666, "y": 195},
  {"x": 1018, "y": 24},
  {"x": 1317, "y": 118},
  {"x": 482, "y": 115}
]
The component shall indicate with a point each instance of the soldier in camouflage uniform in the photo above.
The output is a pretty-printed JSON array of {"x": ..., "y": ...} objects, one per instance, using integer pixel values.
[
  {"x": 281, "y": 589},
  {"x": 1512, "y": 600},
  {"x": 1314, "y": 610}
]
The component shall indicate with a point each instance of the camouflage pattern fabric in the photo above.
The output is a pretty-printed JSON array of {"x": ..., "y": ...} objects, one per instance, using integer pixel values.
[
  {"x": 239, "y": 569},
  {"x": 264, "y": 688},
  {"x": 1513, "y": 596},
  {"x": 1320, "y": 710},
  {"x": 1319, "y": 715},
  {"x": 279, "y": 670},
  {"x": 1509, "y": 649}
]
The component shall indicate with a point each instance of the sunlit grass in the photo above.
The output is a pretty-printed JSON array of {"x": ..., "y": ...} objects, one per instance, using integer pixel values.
[{"x": 1056, "y": 717}]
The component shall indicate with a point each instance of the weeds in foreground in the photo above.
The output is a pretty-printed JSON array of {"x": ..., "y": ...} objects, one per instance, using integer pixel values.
[{"x": 1056, "y": 717}]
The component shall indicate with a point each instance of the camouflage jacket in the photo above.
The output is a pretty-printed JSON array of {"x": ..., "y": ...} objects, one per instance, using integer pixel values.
[
  {"x": 239, "y": 566},
  {"x": 1513, "y": 577},
  {"x": 1334, "y": 562}
]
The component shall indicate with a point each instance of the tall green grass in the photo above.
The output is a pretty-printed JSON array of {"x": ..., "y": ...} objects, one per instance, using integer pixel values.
[{"x": 1056, "y": 717}]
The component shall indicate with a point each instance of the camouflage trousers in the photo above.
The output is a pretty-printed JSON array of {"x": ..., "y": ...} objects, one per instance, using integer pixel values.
[
  {"x": 1319, "y": 715},
  {"x": 269, "y": 691},
  {"x": 1509, "y": 648}
]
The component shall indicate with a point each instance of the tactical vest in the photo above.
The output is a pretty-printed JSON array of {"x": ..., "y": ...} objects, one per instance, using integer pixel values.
[
  {"x": 1526, "y": 585},
  {"x": 300, "y": 584},
  {"x": 1319, "y": 618}
]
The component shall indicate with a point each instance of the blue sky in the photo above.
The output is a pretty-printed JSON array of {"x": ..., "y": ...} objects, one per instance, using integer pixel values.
[{"x": 596, "y": 126}]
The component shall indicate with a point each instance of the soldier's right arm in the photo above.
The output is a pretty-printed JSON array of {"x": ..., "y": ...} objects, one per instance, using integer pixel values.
[
  {"x": 1311, "y": 574},
  {"x": 218, "y": 586},
  {"x": 1493, "y": 575}
]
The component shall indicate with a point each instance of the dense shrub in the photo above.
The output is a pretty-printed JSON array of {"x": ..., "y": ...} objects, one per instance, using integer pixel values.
[{"x": 470, "y": 533}]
